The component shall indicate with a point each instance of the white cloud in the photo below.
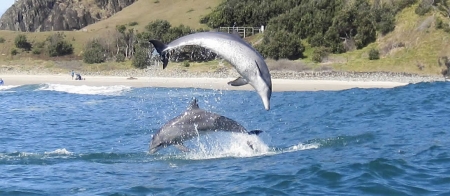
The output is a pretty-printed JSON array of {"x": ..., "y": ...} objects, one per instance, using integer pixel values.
[{"x": 5, "y": 5}]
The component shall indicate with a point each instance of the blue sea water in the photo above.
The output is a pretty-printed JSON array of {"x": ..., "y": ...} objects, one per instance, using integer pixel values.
[{"x": 85, "y": 140}]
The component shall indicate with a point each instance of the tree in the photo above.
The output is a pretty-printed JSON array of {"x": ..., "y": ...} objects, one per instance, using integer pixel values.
[
  {"x": 158, "y": 29},
  {"x": 140, "y": 59},
  {"x": 283, "y": 44},
  {"x": 94, "y": 52}
]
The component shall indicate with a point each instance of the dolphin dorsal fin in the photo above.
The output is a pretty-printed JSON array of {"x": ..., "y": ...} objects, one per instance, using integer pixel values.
[{"x": 193, "y": 105}]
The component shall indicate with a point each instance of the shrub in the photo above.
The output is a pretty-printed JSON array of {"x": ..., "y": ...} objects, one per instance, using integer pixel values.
[
  {"x": 282, "y": 44},
  {"x": 186, "y": 63},
  {"x": 21, "y": 42},
  {"x": 404, "y": 4},
  {"x": 2, "y": 40},
  {"x": 424, "y": 7},
  {"x": 134, "y": 23},
  {"x": 14, "y": 51},
  {"x": 121, "y": 28},
  {"x": 120, "y": 57},
  {"x": 374, "y": 54},
  {"x": 319, "y": 54},
  {"x": 93, "y": 53},
  {"x": 61, "y": 48},
  {"x": 37, "y": 51},
  {"x": 39, "y": 45},
  {"x": 58, "y": 46}
]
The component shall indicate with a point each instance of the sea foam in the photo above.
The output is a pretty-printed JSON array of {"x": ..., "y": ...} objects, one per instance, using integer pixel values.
[{"x": 87, "y": 90}]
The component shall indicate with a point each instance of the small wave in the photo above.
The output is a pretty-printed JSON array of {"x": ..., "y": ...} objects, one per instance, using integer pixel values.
[
  {"x": 7, "y": 87},
  {"x": 63, "y": 155},
  {"x": 302, "y": 146},
  {"x": 342, "y": 140},
  {"x": 86, "y": 90},
  {"x": 62, "y": 151}
]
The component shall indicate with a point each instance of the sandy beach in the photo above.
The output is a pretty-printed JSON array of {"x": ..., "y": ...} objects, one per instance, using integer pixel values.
[{"x": 209, "y": 83}]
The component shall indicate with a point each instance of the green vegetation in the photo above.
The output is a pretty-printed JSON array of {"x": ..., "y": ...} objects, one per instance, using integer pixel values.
[
  {"x": 134, "y": 23},
  {"x": 2, "y": 40},
  {"x": 58, "y": 46},
  {"x": 22, "y": 42},
  {"x": 93, "y": 52},
  {"x": 340, "y": 34},
  {"x": 324, "y": 23},
  {"x": 129, "y": 44},
  {"x": 14, "y": 52},
  {"x": 319, "y": 54},
  {"x": 374, "y": 54},
  {"x": 141, "y": 58}
]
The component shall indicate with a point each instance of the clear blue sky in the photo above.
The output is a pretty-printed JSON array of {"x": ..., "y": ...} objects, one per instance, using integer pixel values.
[{"x": 5, "y": 5}]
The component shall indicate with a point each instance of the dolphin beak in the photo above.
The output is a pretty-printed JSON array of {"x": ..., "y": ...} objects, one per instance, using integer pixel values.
[
  {"x": 266, "y": 105},
  {"x": 153, "y": 150},
  {"x": 265, "y": 100}
]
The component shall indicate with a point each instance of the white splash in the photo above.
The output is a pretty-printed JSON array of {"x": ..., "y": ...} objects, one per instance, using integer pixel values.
[
  {"x": 87, "y": 90},
  {"x": 2, "y": 88},
  {"x": 234, "y": 145},
  {"x": 62, "y": 151},
  {"x": 302, "y": 147}
]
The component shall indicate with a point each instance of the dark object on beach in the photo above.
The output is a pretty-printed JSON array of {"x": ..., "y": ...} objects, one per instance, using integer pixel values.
[
  {"x": 445, "y": 62},
  {"x": 131, "y": 78},
  {"x": 78, "y": 77},
  {"x": 1, "y": 82}
]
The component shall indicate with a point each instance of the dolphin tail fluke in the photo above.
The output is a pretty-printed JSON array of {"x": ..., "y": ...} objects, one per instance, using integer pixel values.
[
  {"x": 255, "y": 132},
  {"x": 160, "y": 47}
]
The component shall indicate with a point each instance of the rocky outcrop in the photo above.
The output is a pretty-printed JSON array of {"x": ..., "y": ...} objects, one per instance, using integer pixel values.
[{"x": 58, "y": 15}]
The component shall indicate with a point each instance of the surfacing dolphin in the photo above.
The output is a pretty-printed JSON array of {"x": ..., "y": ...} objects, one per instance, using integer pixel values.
[
  {"x": 193, "y": 123},
  {"x": 245, "y": 59}
]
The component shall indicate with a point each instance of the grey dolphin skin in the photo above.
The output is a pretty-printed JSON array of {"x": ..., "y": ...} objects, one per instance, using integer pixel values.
[
  {"x": 192, "y": 123},
  {"x": 246, "y": 60}
]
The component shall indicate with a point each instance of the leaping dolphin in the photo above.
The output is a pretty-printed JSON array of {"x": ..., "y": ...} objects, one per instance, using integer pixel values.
[
  {"x": 247, "y": 61},
  {"x": 193, "y": 123}
]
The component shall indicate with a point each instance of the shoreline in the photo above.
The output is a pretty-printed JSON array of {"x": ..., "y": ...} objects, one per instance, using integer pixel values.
[
  {"x": 178, "y": 78},
  {"x": 208, "y": 83}
]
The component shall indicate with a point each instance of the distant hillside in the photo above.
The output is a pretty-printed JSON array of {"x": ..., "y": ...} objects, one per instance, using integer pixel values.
[
  {"x": 415, "y": 45},
  {"x": 137, "y": 16},
  {"x": 186, "y": 12},
  {"x": 58, "y": 15}
]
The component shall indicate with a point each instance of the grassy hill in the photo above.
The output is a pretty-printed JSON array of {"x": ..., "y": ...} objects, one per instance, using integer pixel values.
[
  {"x": 414, "y": 46},
  {"x": 187, "y": 12}
]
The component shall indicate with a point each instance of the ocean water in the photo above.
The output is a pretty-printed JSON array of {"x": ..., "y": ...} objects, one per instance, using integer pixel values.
[{"x": 84, "y": 140}]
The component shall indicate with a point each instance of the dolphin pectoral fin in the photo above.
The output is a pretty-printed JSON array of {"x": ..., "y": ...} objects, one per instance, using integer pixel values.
[
  {"x": 238, "y": 82},
  {"x": 160, "y": 47},
  {"x": 181, "y": 147},
  {"x": 255, "y": 132}
]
